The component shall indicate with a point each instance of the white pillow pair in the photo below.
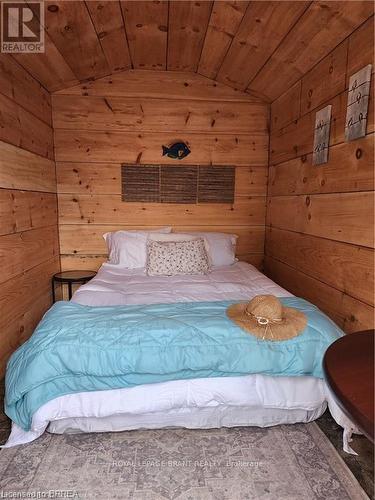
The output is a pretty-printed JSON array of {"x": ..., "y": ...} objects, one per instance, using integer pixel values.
[{"x": 128, "y": 249}]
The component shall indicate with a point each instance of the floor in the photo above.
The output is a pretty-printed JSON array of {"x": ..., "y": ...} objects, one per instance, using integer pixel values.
[{"x": 362, "y": 466}]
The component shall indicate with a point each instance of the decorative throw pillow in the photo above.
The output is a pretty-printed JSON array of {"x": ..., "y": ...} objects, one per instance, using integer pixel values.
[
  {"x": 169, "y": 258},
  {"x": 172, "y": 237},
  {"x": 180, "y": 237}
]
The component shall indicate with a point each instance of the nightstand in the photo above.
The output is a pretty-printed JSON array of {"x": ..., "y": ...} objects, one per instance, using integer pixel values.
[{"x": 71, "y": 278}]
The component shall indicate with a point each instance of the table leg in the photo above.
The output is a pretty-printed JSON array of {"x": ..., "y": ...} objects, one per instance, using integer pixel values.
[
  {"x": 70, "y": 290},
  {"x": 53, "y": 292}
]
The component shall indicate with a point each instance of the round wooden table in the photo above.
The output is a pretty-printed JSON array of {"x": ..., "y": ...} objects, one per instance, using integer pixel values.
[
  {"x": 349, "y": 371},
  {"x": 71, "y": 278}
]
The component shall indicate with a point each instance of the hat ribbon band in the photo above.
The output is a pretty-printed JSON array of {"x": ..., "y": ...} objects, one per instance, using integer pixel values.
[
  {"x": 261, "y": 320},
  {"x": 266, "y": 322}
]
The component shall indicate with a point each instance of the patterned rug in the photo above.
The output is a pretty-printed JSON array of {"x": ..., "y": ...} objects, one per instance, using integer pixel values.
[{"x": 292, "y": 462}]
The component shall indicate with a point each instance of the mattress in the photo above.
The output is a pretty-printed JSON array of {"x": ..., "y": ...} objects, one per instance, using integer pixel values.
[{"x": 198, "y": 403}]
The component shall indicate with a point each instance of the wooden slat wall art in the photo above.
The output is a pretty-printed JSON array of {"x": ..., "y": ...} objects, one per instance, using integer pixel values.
[
  {"x": 105, "y": 125},
  {"x": 358, "y": 99},
  {"x": 321, "y": 135},
  {"x": 105, "y": 178},
  {"x": 177, "y": 184},
  {"x": 29, "y": 245},
  {"x": 320, "y": 221}
]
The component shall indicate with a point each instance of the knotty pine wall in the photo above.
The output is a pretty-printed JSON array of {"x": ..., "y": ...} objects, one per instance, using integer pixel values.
[
  {"x": 29, "y": 249},
  {"x": 320, "y": 219},
  {"x": 125, "y": 119}
]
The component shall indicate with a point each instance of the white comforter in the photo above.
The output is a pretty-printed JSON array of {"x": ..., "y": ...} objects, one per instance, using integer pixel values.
[
  {"x": 114, "y": 286},
  {"x": 250, "y": 400}
]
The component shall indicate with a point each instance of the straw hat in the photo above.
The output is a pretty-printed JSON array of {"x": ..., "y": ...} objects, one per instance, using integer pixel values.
[{"x": 265, "y": 317}]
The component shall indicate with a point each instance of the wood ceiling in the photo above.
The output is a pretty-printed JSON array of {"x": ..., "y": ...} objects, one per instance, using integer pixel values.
[{"x": 261, "y": 47}]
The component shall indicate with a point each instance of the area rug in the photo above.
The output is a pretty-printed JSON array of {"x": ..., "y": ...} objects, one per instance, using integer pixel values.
[{"x": 291, "y": 462}]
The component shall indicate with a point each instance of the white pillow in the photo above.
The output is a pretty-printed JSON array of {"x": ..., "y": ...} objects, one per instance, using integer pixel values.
[
  {"x": 128, "y": 248},
  {"x": 171, "y": 258},
  {"x": 221, "y": 247}
]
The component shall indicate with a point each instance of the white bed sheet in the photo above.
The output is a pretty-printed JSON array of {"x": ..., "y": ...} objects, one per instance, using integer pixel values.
[
  {"x": 211, "y": 402},
  {"x": 197, "y": 403}
]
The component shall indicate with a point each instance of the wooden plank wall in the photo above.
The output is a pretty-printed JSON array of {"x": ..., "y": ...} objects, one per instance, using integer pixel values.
[
  {"x": 29, "y": 248},
  {"x": 126, "y": 119},
  {"x": 320, "y": 219}
]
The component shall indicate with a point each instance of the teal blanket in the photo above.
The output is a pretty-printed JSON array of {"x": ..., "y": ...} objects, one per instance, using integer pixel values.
[{"x": 79, "y": 348}]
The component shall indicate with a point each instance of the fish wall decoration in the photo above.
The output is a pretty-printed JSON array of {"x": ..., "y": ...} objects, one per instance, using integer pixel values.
[{"x": 176, "y": 151}]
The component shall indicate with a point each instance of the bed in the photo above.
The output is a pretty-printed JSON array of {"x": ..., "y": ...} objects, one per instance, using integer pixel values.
[{"x": 254, "y": 399}]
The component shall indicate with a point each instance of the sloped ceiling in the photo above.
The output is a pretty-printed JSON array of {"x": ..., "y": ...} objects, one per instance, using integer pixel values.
[{"x": 261, "y": 47}]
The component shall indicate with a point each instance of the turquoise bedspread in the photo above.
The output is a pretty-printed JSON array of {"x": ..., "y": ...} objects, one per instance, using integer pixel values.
[{"x": 79, "y": 348}]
